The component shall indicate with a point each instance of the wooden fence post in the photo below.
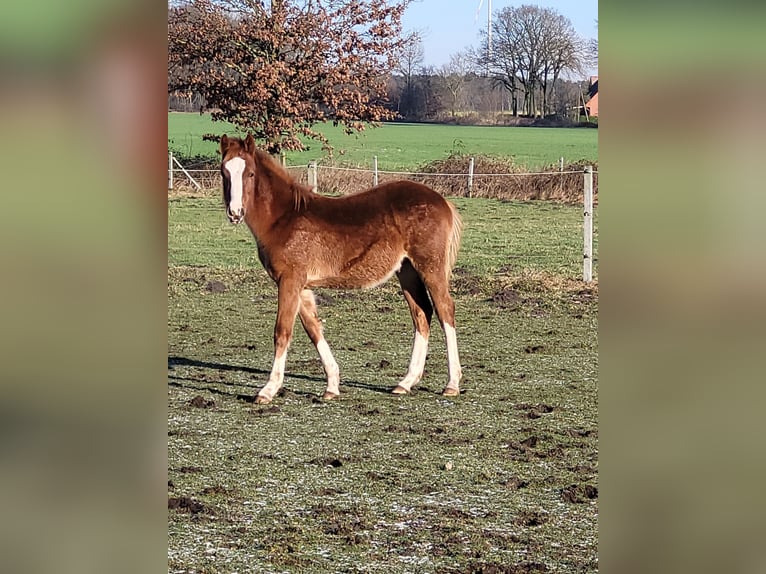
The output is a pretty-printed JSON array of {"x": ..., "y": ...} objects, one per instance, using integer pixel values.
[
  {"x": 312, "y": 175},
  {"x": 374, "y": 170},
  {"x": 587, "y": 261},
  {"x": 470, "y": 176}
]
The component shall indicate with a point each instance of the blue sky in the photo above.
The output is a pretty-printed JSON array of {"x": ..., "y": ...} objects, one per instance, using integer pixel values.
[{"x": 449, "y": 26}]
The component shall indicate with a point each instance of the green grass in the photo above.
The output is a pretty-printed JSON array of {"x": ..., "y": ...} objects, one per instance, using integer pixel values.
[
  {"x": 501, "y": 479},
  {"x": 407, "y": 146}
]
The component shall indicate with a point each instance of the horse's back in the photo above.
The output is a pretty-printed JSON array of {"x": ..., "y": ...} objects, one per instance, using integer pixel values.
[{"x": 402, "y": 200}]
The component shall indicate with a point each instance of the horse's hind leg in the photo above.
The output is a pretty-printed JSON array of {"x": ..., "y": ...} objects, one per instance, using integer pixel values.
[
  {"x": 289, "y": 300},
  {"x": 313, "y": 327},
  {"x": 420, "y": 308},
  {"x": 438, "y": 287}
]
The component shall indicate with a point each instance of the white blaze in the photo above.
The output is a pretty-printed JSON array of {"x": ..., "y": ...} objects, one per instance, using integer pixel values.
[{"x": 235, "y": 167}]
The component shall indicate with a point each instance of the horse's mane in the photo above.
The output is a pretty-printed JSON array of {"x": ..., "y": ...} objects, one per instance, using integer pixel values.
[{"x": 301, "y": 193}]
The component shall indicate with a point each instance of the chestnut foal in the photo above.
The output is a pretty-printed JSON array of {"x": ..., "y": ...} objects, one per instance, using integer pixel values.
[{"x": 307, "y": 240}]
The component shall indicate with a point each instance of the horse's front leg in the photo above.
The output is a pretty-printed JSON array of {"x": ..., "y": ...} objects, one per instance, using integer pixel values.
[{"x": 289, "y": 301}]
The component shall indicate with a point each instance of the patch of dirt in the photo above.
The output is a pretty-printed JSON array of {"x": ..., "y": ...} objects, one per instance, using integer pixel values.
[
  {"x": 530, "y": 442},
  {"x": 579, "y": 493},
  {"x": 188, "y": 469},
  {"x": 217, "y": 489},
  {"x": 328, "y": 491},
  {"x": 401, "y": 428},
  {"x": 515, "y": 483},
  {"x": 555, "y": 452},
  {"x": 582, "y": 433},
  {"x": 201, "y": 402},
  {"x": 332, "y": 461},
  {"x": 583, "y": 469},
  {"x": 465, "y": 283},
  {"x": 535, "y": 411},
  {"x": 494, "y": 568},
  {"x": 186, "y": 504},
  {"x": 215, "y": 287},
  {"x": 529, "y": 349},
  {"x": 584, "y": 295},
  {"x": 529, "y": 518},
  {"x": 350, "y": 531},
  {"x": 506, "y": 298},
  {"x": 267, "y": 411},
  {"x": 324, "y": 299},
  {"x": 500, "y": 538}
]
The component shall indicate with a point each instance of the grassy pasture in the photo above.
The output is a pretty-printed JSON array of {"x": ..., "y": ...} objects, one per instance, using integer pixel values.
[
  {"x": 403, "y": 147},
  {"x": 501, "y": 479}
]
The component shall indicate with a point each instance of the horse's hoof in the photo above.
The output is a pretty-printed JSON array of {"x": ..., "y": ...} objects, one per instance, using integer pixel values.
[
  {"x": 260, "y": 400},
  {"x": 328, "y": 396},
  {"x": 450, "y": 392},
  {"x": 399, "y": 390}
]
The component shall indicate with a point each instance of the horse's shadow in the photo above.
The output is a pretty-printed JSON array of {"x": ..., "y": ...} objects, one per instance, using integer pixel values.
[{"x": 177, "y": 381}]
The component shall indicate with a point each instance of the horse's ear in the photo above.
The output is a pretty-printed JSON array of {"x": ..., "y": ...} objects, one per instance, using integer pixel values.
[
  {"x": 250, "y": 144},
  {"x": 224, "y": 144}
]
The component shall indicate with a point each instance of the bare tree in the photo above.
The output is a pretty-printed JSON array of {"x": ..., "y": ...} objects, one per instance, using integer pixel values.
[
  {"x": 561, "y": 49},
  {"x": 278, "y": 68},
  {"x": 409, "y": 63},
  {"x": 592, "y": 51},
  {"x": 531, "y": 48},
  {"x": 454, "y": 76}
]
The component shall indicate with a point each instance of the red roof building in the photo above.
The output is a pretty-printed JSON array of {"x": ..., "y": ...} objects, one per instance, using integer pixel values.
[{"x": 592, "y": 104}]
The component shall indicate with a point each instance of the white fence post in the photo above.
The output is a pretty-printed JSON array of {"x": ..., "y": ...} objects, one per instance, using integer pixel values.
[
  {"x": 170, "y": 170},
  {"x": 183, "y": 169},
  {"x": 587, "y": 261},
  {"x": 561, "y": 171},
  {"x": 374, "y": 170},
  {"x": 470, "y": 176},
  {"x": 312, "y": 175}
]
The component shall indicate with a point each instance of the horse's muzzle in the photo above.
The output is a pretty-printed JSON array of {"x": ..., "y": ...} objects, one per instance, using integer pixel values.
[{"x": 235, "y": 217}]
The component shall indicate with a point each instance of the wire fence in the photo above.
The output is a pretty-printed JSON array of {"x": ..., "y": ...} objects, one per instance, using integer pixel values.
[{"x": 457, "y": 177}]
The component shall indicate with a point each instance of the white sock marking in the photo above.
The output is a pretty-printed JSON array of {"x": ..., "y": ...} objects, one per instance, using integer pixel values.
[
  {"x": 417, "y": 362},
  {"x": 276, "y": 377},
  {"x": 455, "y": 370},
  {"x": 330, "y": 367}
]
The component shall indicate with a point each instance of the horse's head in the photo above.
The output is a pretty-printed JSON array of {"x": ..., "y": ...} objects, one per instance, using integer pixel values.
[{"x": 238, "y": 173}]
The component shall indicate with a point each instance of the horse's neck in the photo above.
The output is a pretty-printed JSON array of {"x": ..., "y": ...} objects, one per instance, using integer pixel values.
[{"x": 273, "y": 198}]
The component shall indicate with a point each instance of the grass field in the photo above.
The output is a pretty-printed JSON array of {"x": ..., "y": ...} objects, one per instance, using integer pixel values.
[
  {"x": 403, "y": 147},
  {"x": 500, "y": 479}
]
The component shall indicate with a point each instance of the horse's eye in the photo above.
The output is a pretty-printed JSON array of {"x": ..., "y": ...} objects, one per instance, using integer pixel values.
[{"x": 252, "y": 174}]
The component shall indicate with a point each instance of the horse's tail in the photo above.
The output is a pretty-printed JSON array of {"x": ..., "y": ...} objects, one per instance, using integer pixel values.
[{"x": 454, "y": 239}]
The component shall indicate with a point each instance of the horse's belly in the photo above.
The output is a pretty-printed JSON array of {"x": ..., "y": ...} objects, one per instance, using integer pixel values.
[{"x": 362, "y": 274}]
